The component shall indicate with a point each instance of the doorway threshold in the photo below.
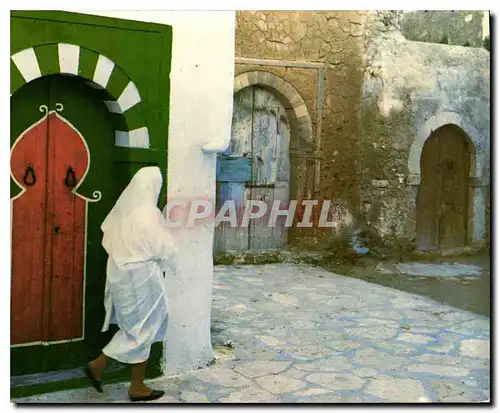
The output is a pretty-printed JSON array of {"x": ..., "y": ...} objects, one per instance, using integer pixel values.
[{"x": 39, "y": 383}]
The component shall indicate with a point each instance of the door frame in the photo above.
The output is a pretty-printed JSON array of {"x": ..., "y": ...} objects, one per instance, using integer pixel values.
[
  {"x": 45, "y": 354},
  {"x": 55, "y": 42},
  {"x": 49, "y": 352}
]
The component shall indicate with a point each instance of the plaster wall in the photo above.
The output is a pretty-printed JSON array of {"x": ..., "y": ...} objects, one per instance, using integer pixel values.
[
  {"x": 410, "y": 89},
  {"x": 454, "y": 27}
]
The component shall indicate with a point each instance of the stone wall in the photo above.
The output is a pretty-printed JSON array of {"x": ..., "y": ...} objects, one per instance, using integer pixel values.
[
  {"x": 454, "y": 27},
  {"x": 411, "y": 88},
  {"x": 372, "y": 98},
  {"x": 328, "y": 46}
]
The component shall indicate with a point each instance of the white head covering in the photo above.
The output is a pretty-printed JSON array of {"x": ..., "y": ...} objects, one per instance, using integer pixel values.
[{"x": 135, "y": 230}]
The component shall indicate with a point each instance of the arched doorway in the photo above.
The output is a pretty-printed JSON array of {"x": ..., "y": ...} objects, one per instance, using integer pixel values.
[
  {"x": 256, "y": 166},
  {"x": 62, "y": 141},
  {"x": 443, "y": 197},
  {"x": 101, "y": 96}
]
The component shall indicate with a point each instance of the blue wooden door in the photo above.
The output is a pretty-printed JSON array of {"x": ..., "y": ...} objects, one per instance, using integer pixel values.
[{"x": 255, "y": 167}]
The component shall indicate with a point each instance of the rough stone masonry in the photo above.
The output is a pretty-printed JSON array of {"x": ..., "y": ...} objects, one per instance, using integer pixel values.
[{"x": 371, "y": 96}]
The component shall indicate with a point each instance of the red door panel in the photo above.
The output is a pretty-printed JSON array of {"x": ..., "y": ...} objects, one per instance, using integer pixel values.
[
  {"x": 68, "y": 161},
  {"x": 28, "y": 234},
  {"x": 48, "y": 233}
]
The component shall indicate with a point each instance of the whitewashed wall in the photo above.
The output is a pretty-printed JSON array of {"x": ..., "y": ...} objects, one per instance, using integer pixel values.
[{"x": 200, "y": 114}]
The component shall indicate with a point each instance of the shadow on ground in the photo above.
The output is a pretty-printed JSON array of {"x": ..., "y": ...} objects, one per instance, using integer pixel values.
[{"x": 471, "y": 293}]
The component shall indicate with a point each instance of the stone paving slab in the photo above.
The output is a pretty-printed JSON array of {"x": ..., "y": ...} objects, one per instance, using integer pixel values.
[
  {"x": 439, "y": 270},
  {"x": 304, "y": 335}
]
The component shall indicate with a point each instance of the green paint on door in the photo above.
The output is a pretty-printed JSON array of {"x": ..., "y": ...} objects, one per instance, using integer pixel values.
[
  {"x": 48, "y": 59},
  {"x": 87, "y": 63},
  {"x": 16, "y": 79}
]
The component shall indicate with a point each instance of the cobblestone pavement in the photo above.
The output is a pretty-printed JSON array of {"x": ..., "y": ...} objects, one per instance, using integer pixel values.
[{"x": 301, "y": 334}]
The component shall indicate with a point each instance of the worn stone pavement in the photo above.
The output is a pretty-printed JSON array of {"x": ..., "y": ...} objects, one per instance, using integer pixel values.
[{"x": 301, "y": 334}]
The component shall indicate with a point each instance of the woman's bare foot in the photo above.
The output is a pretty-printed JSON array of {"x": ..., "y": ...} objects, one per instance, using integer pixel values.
[
  {"x": 97, "y": 366},
  {"x": 94, "y": 375},
  {"x": 96, "y": 371},
  {"x": 138, "y": 391}
]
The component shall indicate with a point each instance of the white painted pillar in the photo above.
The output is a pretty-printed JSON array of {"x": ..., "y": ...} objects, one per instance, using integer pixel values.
[{"x": 201, "y": 106}]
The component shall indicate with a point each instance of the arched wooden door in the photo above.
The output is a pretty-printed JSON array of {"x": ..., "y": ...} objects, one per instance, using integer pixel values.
[
  {"x": 53, "y": 120},
  {"x": 48, "y": 231},
  {"x": 443, "y": 198},
  {"x": 255, "y": 167}
]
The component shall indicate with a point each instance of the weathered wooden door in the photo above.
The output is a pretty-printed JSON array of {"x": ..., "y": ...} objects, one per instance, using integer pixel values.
[
  {"x": 261, "y": 135},
  {"x": 443, "y": 200},
  {"x": 53, "y": 121}
]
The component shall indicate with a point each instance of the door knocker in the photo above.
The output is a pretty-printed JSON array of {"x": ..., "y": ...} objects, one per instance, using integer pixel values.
[
  {"x": 29, "y": 176},
  {"x": 70, "y": 180}
]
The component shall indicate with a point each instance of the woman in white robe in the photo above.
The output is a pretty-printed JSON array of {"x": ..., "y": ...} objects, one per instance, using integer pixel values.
[{"x": 140, "y": 249}]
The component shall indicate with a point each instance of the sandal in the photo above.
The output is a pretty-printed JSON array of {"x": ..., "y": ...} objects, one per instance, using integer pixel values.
[{"x": 155, "y": 394}]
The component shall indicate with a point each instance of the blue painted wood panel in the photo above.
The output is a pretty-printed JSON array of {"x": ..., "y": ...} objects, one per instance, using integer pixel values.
[
  {"x": 260, "y": 130},
  {"x": 234, "y": 169},
  {"x": 227, "y": 237}
]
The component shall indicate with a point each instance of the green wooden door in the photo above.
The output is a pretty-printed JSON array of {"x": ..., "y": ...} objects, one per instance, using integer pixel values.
[
  {"x": 58, "y": 263},
  {"x": 140, "y": 54}
]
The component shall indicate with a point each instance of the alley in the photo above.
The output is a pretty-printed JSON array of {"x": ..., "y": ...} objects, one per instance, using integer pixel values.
[{"x": 297, "y": 333}]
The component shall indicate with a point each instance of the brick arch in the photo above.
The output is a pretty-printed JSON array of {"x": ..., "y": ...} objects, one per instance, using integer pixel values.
[
  {"x": 118, "y": 92},
  {"x": 300, "y": 121}
]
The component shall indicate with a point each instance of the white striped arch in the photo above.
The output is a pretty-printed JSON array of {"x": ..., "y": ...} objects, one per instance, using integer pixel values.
[{"x": 119, "y": 93}]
